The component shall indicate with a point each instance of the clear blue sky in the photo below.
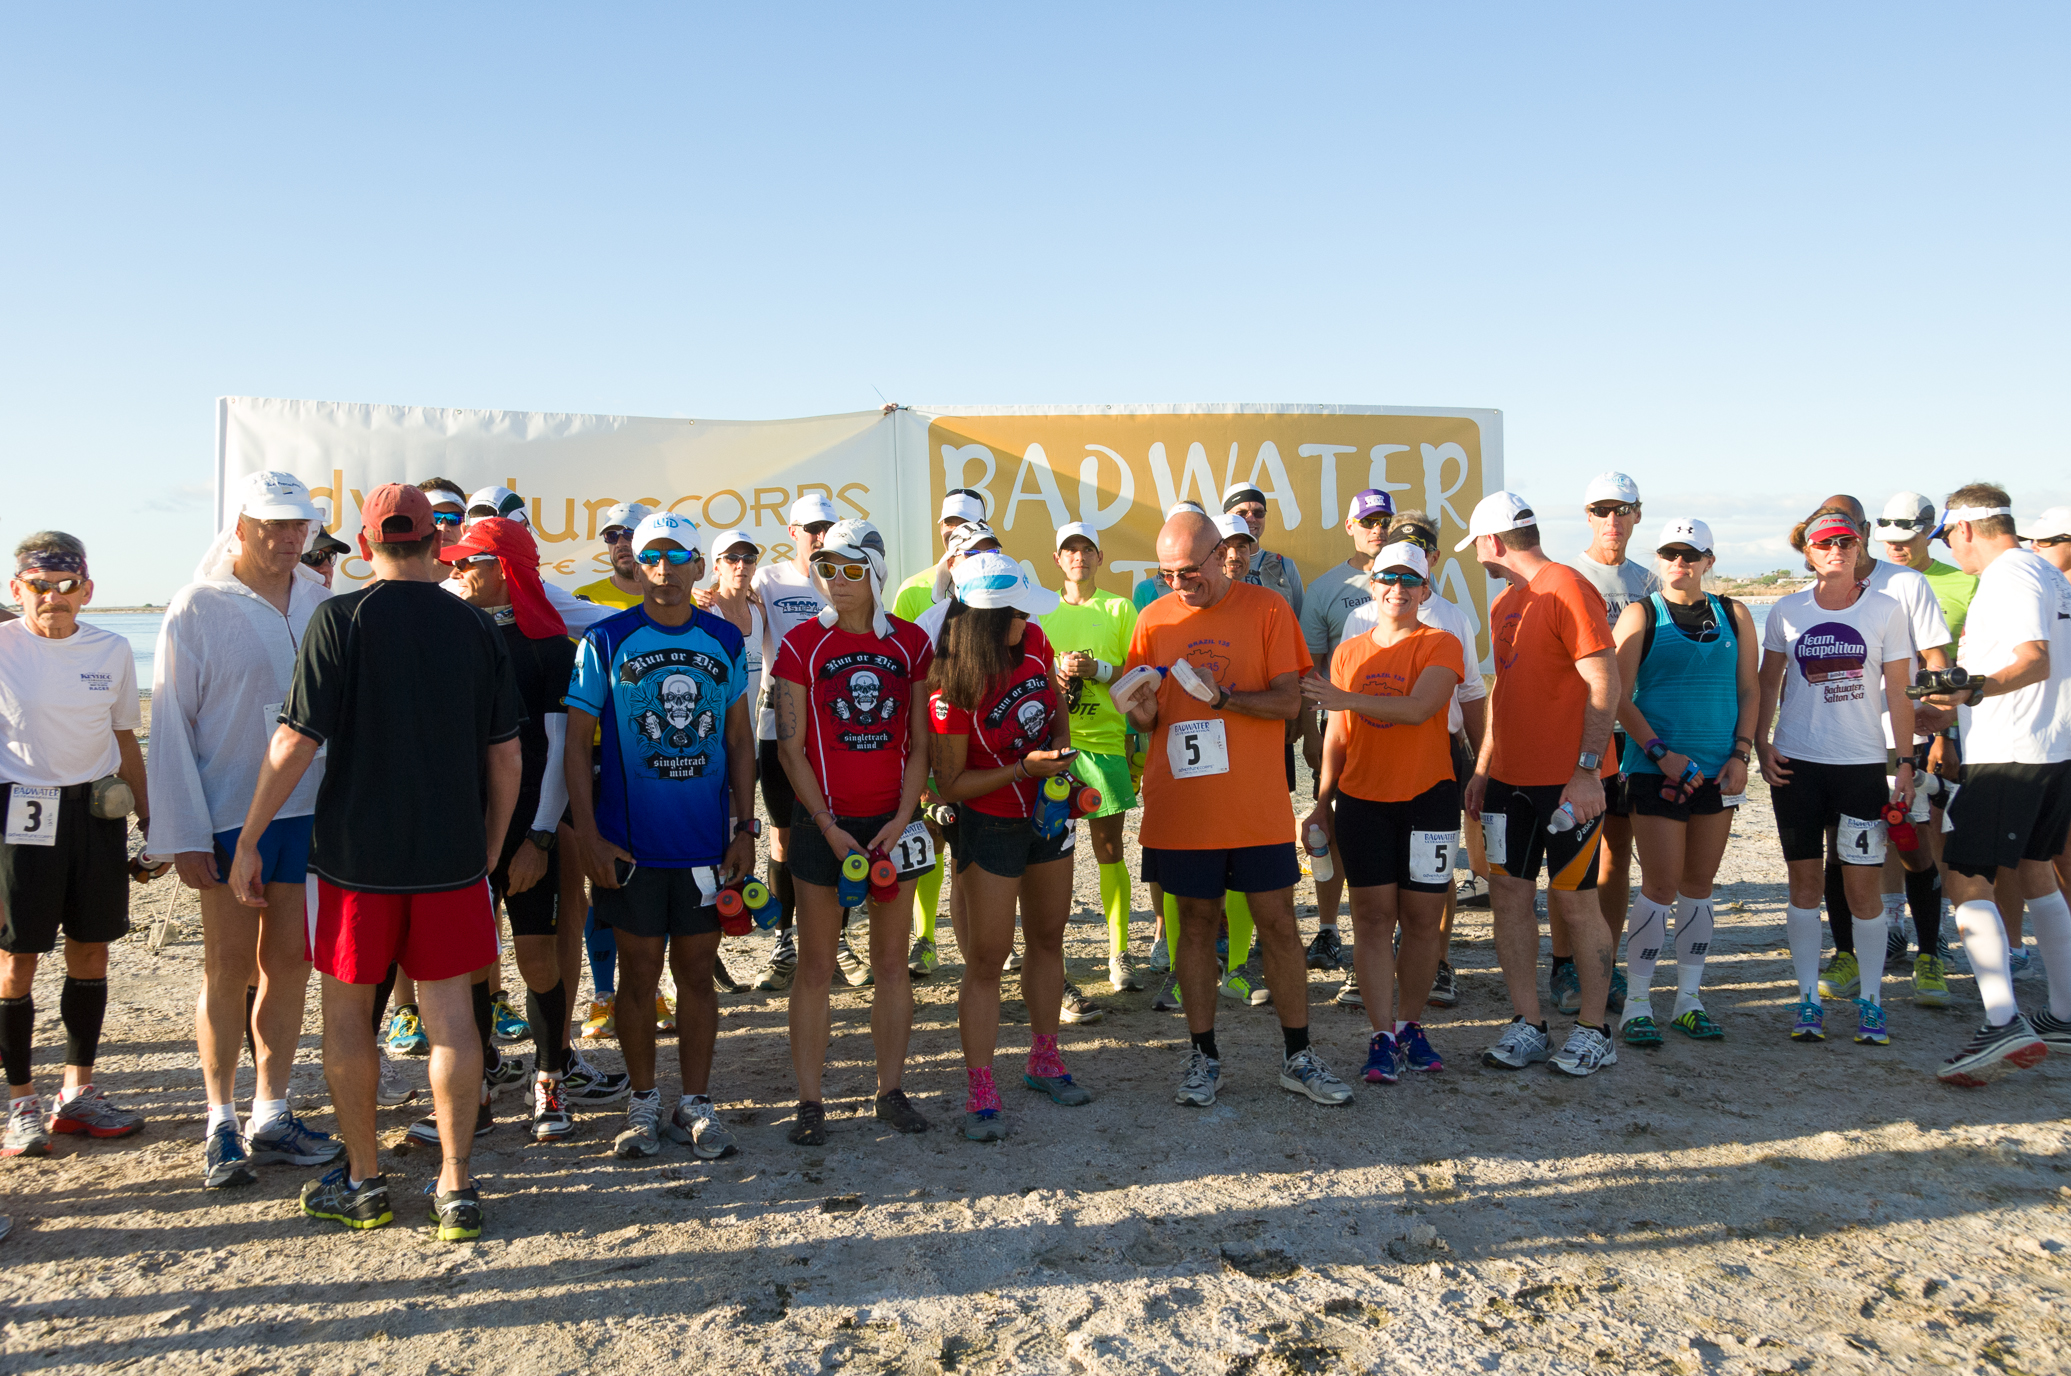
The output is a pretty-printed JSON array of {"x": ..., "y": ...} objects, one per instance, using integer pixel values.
[{"x": 1748, "y": 255}]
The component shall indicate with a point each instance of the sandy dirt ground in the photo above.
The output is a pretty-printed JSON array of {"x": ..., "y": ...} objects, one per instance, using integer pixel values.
[{"x": 1751, "y": 1205}]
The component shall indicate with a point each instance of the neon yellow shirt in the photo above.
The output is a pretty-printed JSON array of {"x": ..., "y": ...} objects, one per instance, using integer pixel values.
[
  {"x": 915, "y": 595},
  {"x": 605, "y": 593},
  {"x": 1101, "y": 627}
]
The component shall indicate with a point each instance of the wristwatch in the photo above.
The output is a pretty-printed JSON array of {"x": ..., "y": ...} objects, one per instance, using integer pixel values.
[
  {"x": 1589, "y": 760},
  {"x": 753, "y": 826},
  {"x": 1223, "y": 698},
  {"x": 543, "y": 839}
]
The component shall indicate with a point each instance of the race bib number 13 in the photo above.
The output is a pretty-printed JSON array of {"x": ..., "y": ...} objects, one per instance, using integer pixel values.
[
  {"x": 1195, "y": 748},
  {"x": 32, "y": 816},
  {"x": 914, "y": 851}
]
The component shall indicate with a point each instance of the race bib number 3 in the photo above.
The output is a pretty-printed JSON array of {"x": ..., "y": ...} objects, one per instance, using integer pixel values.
[
  {"x": 1431, "y": 856},
  {"x": 914, "y": 851},
  {"x": 1494, "y": 826},
  {"x": 1195, "y": 748},
  {"x": 1860, "y": 842},
  {"x": 32, "y": 816}
]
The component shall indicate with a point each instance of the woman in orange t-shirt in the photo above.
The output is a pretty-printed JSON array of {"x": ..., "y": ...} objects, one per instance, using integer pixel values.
[{"x": 1389, "y": 801}]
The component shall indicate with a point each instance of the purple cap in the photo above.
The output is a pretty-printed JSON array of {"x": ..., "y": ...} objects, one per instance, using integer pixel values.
[{"x": 1369, "y": 501}]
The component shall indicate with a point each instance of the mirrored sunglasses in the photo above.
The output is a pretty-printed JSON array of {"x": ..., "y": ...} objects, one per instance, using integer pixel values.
[
  {"x": 447, "y": 519},
  {"x": 676, "y": 557},
  {"x": 616, "y": 535},
  {"x": 830, "y": 570},
  {"x": 1406, "y": 580},
  {"x": 1605, "y": 510},
  {"x": 61, "y": 588}
]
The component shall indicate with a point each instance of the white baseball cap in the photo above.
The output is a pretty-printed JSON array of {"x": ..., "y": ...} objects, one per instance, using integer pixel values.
[
  {"x": 968, "y": 534},
  {"x": 1071, "y": 528},
  {"x": 991, "y": 579},
  {"x": 1242, "y": 492},
  {"x": 2053, "y": 524},
  {"x": 1401, "y": 555},
  {"x": 500, "y": 501},
  {"x": 1906, "y": 515},
  {"x": 627, "y": 514},
  {"x": 1685, "y": 530},
  {"x": 1610, "y": 487},
  {"x": 727, "y": 539},
  {"x": 1178, "y": 507},
  {"x": 277, "y": 496},
  {"x": 1231, "y": 526},
  {"x": 962, "y": 506},
  {"x": 809, "y": 508},
  {"x": 1496, "y": 513},
  {"x": 667, "y": 525}
]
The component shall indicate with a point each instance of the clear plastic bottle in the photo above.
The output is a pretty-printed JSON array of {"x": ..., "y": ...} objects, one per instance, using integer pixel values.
[
  {"x": 1318, "y": 842},
  {"x": 1563, "y": 819}
]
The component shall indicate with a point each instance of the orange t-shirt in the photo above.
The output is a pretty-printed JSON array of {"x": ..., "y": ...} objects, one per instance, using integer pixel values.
[
  {"x": 1248, "y": 639},
  {"x": 1386, "y": 762},
  {"x": 1536, "y": 633}
]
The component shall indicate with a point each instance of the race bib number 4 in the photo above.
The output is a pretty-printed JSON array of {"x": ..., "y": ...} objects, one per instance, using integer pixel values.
[
  {"x": 32, "y": 816},
  {"x": 1431, "y": 856},
  {"x": 1195, "y": 748},
  {"x": 1860, "y": 842},
  {"x": 914, "y": 851}
]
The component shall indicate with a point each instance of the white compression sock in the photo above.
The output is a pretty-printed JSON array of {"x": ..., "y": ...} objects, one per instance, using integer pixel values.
[
  {"x": 219, "y": 1114},
  {"x": 1802, "y": 925},
  {"x": 1869, "y": 954},
  {"x": 1984, "y": 941},
  {"x": 2051, "y": 919},
  {"x": 1646, "y": 932},
  {"x": 1693, "y": 928}
]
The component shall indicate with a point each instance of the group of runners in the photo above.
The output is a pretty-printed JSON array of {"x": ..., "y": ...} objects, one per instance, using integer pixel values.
[{"x": 360, "y": 780}]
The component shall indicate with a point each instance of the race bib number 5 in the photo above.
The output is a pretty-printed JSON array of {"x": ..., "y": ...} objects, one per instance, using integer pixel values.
[
  {"x": 1431, "y": 856},
  {"x": 1195, "y": 748},
  {"x": 32, "y": 816}
]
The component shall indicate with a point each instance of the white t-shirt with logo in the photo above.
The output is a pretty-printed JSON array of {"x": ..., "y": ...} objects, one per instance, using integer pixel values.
[
  {"x": 61, "y": 703},
  {"x": 1833, "y": 679},
  {"x": 789, "y": 599},
  {"x": 2020, "y": 597}
]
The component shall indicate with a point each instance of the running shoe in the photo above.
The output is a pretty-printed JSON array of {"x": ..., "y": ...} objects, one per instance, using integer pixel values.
[
  {"x": 458, "y": 1213},
  {"x": 89, "y": 1112},
  {"x": 26, "y": 1133},
  {"x": 1565, "y": 987},
  {"x": 1013, "y": 960},
  {"x": 1471, "y": 892},
  {"x": 1843, "y": 977},
  {"x": 601, "y": 1022},
  {"x": 895, "y": 1108},
  {"x": 426, "y": 1129},
  {"x": 1416, "y": 1050},
  {"x": 1812, "y": 1022},
  {"x": 1930, "y": 982},
  {"x": 783, "y": 964},
  {"x": 1520, "y": 1045},
  {"x": 1697, "y": 1025},
  {"x": 1121, "y": 973},
  {"x": 2020, "y": 963},
  {"x": 1060, "y": 1088},
  {"x": 585, "y": 1084},
  {"x": 1639, "y": 1030},
  {"x": 722, "y": 978},
  {"x": 406, "y": 1032},
  {"x": 1247, "y": 983},
  {"x": 1585, "y": 1052},
  {"x": 287, "y": 1141},
  {"x": 2054, "y": 1031},
  {"x": 1305, "y": 1073},
  {"x": 1348, "y": 995},
  {"x": 1445, "y": 990},
  {"x": 921, "y": 960},
  {"x": 1168, "y": 999},
  {"x": 1203, "y": 1077},
  {"x": 1326, "y": 952},
  {"x": 551, "y": 1120},
  {"x": 1076, "y": 1007},
  {"x": 697, "y": 1126},
  {"x": 1869, "y": 1029},
  {"x": 510, "y": 1026},
  {"x": 391, "y": 1089},
  {"x": 1161, "y": 957},
  {"x": 809, "y": 1125},
  {"x": 642, "y": 1135},
  {"x": 985, "y": 1125},
  {"x": 1380, "y": 1060},
  {"x": 2014, "y": 1042},
  {"x": 364, "y": 1206},
  {"x": 855, "y": 971},
  {"x": 508, "y": 1070},
  {"x": 224, "y": 1163},
  {"x": 664, "y": 1013}
]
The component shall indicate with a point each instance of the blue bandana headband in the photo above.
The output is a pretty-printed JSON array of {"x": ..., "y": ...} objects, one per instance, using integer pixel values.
[{"x": 51, "y": 561}]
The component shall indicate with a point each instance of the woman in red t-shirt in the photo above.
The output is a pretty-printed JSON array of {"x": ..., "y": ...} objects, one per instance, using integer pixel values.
[
  {"x": 1000, "y": 730},
  {"x": 852, "y": 707}
]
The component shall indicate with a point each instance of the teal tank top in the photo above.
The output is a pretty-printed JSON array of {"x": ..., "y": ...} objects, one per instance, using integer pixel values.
[{"x": 1689, "y": 690}]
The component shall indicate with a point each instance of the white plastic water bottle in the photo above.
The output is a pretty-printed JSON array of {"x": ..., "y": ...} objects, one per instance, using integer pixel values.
[
  {"x": 1318, "y": 842},
  {"x": 1192, "y": 682},
  {"x": 1563, "y": 819}
]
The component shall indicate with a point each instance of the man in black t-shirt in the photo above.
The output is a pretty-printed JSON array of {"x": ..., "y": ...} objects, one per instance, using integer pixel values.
[{"x": 418, "y": 790}]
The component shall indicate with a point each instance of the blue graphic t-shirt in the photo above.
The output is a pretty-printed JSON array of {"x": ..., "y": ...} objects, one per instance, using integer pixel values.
[{"x": 660, "y": 695}]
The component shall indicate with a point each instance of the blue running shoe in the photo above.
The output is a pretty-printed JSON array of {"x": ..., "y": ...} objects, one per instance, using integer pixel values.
[
  {"x": 509, "y": 1025},
  {"x": 1380, "y": 1060},
  {"x": 286, "y": 1140},
  {"x": 1812, "y": 1023},
  {"x": 406, "y": 1034},
  {"x": 1869, "y": 1030},
  {"x": 1416, "y": 1050},
  {"x": 226, "y": 1164}
]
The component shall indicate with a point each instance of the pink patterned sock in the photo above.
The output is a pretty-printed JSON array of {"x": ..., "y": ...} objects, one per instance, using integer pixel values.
[
  {"x": 983, "y": 1094},
  {"x": 1044, "y": 1060}
]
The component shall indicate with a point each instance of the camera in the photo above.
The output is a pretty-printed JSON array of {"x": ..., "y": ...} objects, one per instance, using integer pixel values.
[{"x": 1955, "y": 679}]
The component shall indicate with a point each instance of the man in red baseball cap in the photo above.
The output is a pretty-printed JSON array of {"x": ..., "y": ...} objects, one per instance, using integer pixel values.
[{"x": 401, "y": 863}]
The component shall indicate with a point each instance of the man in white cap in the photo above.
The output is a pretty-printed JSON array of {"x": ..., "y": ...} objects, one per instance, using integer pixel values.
[
  {"x": 961, "y": 506},
  {"x": 1903, "y": 529},
  {"x": 2049, "y": 535},
  {"x": 1537, "y": 788},
  {"x": 1273, "y": 572},
  {"x": 224, "y": 663},
  {"x": 621, "y": 587},
  {"x": 789, "y": 599}
]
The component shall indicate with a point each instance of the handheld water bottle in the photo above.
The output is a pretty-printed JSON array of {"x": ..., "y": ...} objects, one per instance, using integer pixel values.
[
  {"x": 854, "y": 884},
  {"x": 1318, "y": 841},
  {"x": 1144, "y": 678},
  {"x": 1053, "y": 807},
  {"x": 745, "y": 904},
  {"x": 1563, "y": 819},
  {"x": 884, "y": 877}
]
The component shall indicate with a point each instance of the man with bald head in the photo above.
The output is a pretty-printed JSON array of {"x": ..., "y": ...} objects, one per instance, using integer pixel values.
[{"x": 1216, "y": 816}]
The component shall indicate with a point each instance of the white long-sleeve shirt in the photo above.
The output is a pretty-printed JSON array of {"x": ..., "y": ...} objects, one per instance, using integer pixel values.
[{"x": 225, "y": 659}]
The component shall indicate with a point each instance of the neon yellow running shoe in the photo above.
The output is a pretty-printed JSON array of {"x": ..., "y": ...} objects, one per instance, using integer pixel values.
[
  {"x": 1843, "y": 977},
  {"x": 1930, "y": 983}
]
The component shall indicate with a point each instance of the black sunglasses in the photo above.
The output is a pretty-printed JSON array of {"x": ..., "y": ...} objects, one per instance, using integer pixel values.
[
  {"x": 320, "y": 559},
  {"x": 1605, "y": 510}
]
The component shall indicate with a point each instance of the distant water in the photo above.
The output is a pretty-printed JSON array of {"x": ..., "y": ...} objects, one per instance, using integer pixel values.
[{"x": 140, "y": 629}]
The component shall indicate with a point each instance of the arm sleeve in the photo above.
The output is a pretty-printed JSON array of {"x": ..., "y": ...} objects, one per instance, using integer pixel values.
[
  {"x": 179, "y": 807},
  {"x": 553, "y": 784}
]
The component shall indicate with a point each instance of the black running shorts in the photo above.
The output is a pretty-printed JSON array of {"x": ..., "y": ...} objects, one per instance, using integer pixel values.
[
  {"x": 1409, "y": 844},
  {"x": 79, "y": 886},
  {"x": 1006, "y": 846},
  {"x": 1212, "y": 873},
  {"x": 1818, "y": 796},
  {"x": 656, "y": 902},
  {"x": 1645, "y": 794},
  {"x": 1513, "y": 823},
  {"x": 535, "y": 912},
  {"x": 777, "y": 797},
  {"x": 2006, "y": 813}
]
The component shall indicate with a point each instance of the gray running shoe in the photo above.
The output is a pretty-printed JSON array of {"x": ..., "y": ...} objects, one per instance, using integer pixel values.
[
  {"x": 783, "y": 964},
  {"x": 1348, "y": 995},
  {"x": 426, "y": 1129},
  {"x": 1520, "y": 1045},
  {"x": 1161, "y": 957},
  {"x": 697, "y": 1126},
  {"x": 89, "y": 1112},
  {"x": 1121, "y": 973},
  {"x": 1060, "y": 1088},
  {"x": 1168, "y": 999},
  {"x": 27, "y": 1135},
  {"x": 1247, "y": 983},
  {"x": 1585, "y": 1052},
  {"x": 986, "y": 1125},
  {"x": 1013, "y": 959},
  {"x": 1077, "y": 1008},
  {"x": 1445, "y": 990},
  {"x": 1203, "y": 1077},
  {"x": 642, "y": 1137},
  {"x": 551, "y": 1121},
  {"x": 922, "y": 959},
  {"x": 224, "y": 1164},
  {"x": 1565, "y": 987},
  {"x": 1305, "y": 1073},
  {"x": 895, "y": 1108},
  {"x": 391, "y": 1089},
  {"x": 286, "y": 1141},
  {"x": 855, "y": 971}
]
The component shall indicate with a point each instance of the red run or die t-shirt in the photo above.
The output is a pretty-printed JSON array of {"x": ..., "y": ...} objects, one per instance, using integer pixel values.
[
  {"x": 1013, "y": 721},
  {"x": 861, "y": 688}
]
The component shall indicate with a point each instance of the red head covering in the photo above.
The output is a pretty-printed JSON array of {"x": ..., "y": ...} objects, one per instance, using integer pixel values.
[{"x": 518, "y": 557}]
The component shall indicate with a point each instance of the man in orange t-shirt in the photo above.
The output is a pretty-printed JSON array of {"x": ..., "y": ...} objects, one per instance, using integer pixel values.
[
  {"x": 1536, "y": 788},
  {"x": 1216, "y": 816}
]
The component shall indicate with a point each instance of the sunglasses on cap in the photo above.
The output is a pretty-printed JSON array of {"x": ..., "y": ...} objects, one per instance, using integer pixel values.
[
  {"x": 1836, "y": 542},
  {"x": 677, "y": 557},
  {"x": 829, "y": 570},
  {"x": 1681, "y": 555},
  {"x": 1902, "y": 523},
  {"x": 1606, "y": 510},
  {"x": 61, "y": 588},
  {"x": 1403, "y": 580},
  {"x": 447, "y": 518}
]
